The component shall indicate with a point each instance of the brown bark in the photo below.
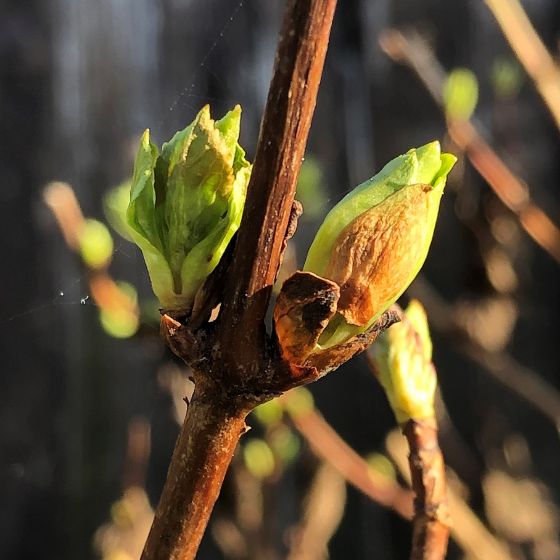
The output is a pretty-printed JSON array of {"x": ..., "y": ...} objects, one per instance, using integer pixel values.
[
  {"x": 431, "y": 521},
  {"x": 200, "y": 460},
  {"x": 283, "y": 136}
]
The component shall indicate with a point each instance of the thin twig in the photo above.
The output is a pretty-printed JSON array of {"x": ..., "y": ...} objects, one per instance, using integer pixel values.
[
  {"x": 329, "y": 446},
  {"x": 431, "y": 521},
  {"x": 282, "y": 140},
  {"x": 412, "y": 50},
  {"x": 467, "y": 529},
  {"x": 530, "y": 51},
  {"x": 105, "y": 293},
  {"x": 524, "y": 382}
]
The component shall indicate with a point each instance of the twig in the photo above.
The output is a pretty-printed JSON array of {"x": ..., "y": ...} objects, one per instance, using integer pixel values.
[
  {"x": 530, "y": 51},
  {"x": 106, "y": 294},
  {"x": 283, "y": 136},
  {"x": 467, "y": 529},
  {"x": 431, "y": 521},
  {"x": 523, "y": 381},
  {"x": 412, "y": 50},
  {"x": 329, "y": 446},
  {"x": 233, "y": 364}
]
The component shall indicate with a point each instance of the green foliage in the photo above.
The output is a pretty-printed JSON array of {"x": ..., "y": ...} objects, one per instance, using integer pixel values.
[
  {"x": 96, "y": 244},
  {"x": 460, "y": 94},
  {"x": 186, "y": 204},
  {"x": 402, "y": 357}
]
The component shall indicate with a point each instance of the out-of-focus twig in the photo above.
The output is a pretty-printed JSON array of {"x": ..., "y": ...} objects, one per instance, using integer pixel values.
[
  {"x": 64, "y": 205},
  {"x": 467, "y": 529},
  {"x": 412, "y": 50},
  {"x": 323, "y": 512},
  {"x": 523, "y": 381},
  {"x": 328, "y": 445},
  {"x": 530, "y": 51}
]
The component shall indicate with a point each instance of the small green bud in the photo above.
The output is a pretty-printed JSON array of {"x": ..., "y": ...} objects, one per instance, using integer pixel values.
[
  {"x": 120, "y": 321},
  {"x": 258, "y": 458},
  {"x": 402, "y": 358},
  {"x": 299, "y": 402},
  {"x": 186, "y": 204},
  {"x": 269, "y": 413},
  {"x": 96, "y": 244},
  {"x": 460, "y": 94},
  {"x": 375, "y": 240}
]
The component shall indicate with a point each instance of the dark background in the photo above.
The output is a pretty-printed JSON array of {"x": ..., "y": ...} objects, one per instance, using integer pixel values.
[{"x": 80, "y": 80}]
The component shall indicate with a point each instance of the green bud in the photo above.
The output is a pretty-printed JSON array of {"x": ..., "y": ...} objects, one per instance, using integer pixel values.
[
  {"x": 460, "y": 94},
  {"x": 375, "y": 240},
  {"x": 269, "y": 413},
  {"x": 402, "y": 357},
  {"x": 186, "y": 204},
  {"x": 259, "y": 458},
  {"x": 96, "y": 244},
  {"x": 120, "y": 321}
]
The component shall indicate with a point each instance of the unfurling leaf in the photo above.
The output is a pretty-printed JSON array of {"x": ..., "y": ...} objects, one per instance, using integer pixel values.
[{"x": 186, "y": 204}]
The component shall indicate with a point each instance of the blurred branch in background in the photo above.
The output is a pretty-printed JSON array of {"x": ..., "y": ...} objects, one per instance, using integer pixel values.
[
  {"x": 323, "y": 512},
  {"x": 523, "y": 381},
  {"x": 412, "y": 50},
  {"x": 118, "y": 308},
  {"x": 329, "y": 446},
  {"x": 530, "y": 51}
]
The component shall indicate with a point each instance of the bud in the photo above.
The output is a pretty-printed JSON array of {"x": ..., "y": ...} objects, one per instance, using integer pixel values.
[
  {"x": 95, "y": 244},
  {"x": 186, "y": 204},
  {"x": 402, "y": 358},
  {"x": 375, "y": 240}
]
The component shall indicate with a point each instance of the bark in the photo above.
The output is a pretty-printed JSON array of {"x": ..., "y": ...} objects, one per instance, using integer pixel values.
[
  {"x": 431, "y": 521},
  {"x": 200, "y": 460}
]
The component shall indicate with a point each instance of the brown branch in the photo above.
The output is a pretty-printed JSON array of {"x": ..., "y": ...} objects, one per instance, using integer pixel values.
[
  {"x": 329, "y": 446},
  {"x": 283, "y": 136},
  {"x": 524, "y": 382},
  {"x": 201, "y": 458},
  {"x": 412, "y": 50},
  {"x": 467, "y": 530},
  {"x": 530, "y": 51},
  {"x": 431, "y": 521}
]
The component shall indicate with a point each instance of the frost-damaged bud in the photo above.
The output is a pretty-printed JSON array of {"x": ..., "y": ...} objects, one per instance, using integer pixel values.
[
  {"x": 186, "y": 204},
  {"x": 375, "y": 240},
  {"x": 402, "y": 358}
]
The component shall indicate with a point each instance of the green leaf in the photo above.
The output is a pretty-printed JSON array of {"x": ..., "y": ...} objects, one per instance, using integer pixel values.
[{"x": 186, "y": 204}]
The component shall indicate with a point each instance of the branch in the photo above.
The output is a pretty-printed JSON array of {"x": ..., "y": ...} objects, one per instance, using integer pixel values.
[
  {"x": 232, "y": 366},
  {"x": 329, "y": 446},
  {"x": 283, "y": 137},
  {"x": 530, "y": 51},
  {"x": 431, "y": 521},
  {"x": 412, "y": 50}
]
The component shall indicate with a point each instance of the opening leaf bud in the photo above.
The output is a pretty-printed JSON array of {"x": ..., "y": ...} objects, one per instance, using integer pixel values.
[
  {"x": 186, "y": 204},
  {"x": 402, "y": 358},
  {"x": 375, "y": 240}
]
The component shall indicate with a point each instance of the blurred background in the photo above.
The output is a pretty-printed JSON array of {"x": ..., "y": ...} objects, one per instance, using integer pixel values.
[{"x": 91, "y": 401}]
